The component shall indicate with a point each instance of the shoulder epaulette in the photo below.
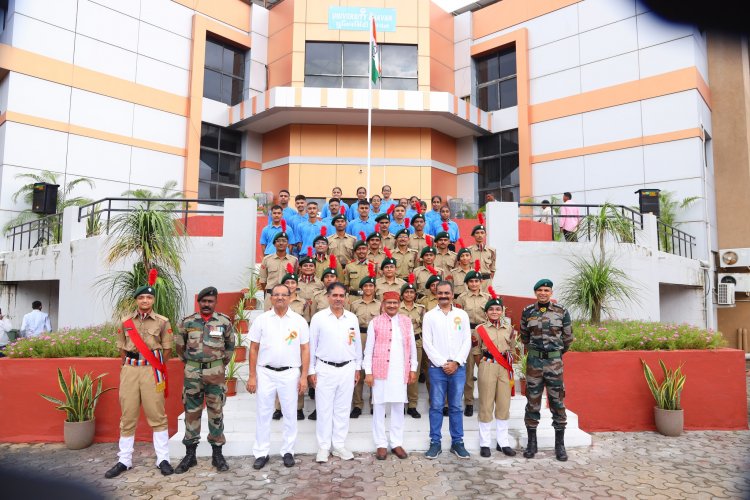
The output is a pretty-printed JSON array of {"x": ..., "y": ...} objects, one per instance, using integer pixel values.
[{"x": 163, "y": 318}]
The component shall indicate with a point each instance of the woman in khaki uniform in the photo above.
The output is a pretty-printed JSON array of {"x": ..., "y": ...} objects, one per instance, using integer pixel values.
[
  {"x": 458, "y": 273},
  {"x": 495, "y": 380}
]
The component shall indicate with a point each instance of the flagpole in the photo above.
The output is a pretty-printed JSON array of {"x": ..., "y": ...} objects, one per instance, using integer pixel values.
[{"x": 369, "y": 108}]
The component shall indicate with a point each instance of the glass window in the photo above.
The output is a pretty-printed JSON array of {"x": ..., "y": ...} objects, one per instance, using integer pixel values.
[
  {"x": 496, "y": 80},
  {"x": 498, "y": 166},
  {"x": 219, "y": 172},
  {"x": 224, "y": 73}
]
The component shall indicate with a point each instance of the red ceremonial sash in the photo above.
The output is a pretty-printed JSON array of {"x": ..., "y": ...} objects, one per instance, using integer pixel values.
[
  {"x": 160, "y": 371},
  {"x": 482, "y": 331}
]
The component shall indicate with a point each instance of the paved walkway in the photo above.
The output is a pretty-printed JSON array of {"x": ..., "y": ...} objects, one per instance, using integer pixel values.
[{"x": 696, "y": 465}]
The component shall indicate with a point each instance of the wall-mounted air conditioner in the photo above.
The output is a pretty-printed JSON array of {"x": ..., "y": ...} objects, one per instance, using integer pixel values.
[
  {"x": 734, "y": 257},
  {"x": 726, "y": 294},
  {"x": 741, "y": 281}
]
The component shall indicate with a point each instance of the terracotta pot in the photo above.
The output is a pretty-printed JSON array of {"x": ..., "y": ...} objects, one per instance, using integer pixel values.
[
  {"x": 523, "y": 387},
  {"x": 231, "y": 386},
  {"x": 79, "y": 435},
  {"x": 240, "y": 354},
  {"x": 243, "y": 326},
  {"x": 669, "y": 422},
  {"x": 250, "y": 304}
]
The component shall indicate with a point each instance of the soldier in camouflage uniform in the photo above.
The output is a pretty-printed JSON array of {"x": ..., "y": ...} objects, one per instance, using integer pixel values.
[
  {"x": 205, "y": 343},
  {"x": 547, "y": 334}
]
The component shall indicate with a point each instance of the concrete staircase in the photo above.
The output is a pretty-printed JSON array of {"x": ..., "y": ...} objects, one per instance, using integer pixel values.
[{"x": 239, "y": 429}]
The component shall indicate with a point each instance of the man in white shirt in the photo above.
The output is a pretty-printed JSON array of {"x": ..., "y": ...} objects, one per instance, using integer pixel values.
[
  {"x": 336, "y": 360},
  {"x": 446, "y": 340},
  {"x": 279, "y": 360},
  {"x": 390, "y": 364},
  {"x": 5, "y": 327},
  {"x": 36, "y": 322}
]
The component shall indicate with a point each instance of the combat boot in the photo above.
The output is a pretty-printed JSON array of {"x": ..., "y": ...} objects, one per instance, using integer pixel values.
[
  {"x": 217, "y": 460},
  {"x": 188, "y": 461},
  {"x": 560, "y": 452},
  {"x": 530, "y": 450}
]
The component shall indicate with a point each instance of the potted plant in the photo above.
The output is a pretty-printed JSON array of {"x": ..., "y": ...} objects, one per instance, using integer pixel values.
[
  {"x": 240, "y": 327},
  {"x": 81, "y": 396},
  {"x": 233, "y": 369},
  {"x": 521, "y": 371},
  {"x": 251, "y": 290},
  {"x": 668, "y": 414}
]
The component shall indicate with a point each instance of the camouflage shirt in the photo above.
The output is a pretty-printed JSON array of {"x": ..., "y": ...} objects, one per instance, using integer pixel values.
[
  {"x": 546, "y": 328},
  {"x": 204, "y": 341}
]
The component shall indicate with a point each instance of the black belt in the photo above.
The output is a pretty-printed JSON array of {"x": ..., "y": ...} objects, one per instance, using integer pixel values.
[
  {"x": 417, "y": 336},
  {"x": 487, "y": 355},
  {"x": 278, "y": 368},
  {"x": 337, "y": 365},
  {"x": 132, "y": 355},
  {"x": 473, "y": 326},
  {"x": 362, "y": 329}
]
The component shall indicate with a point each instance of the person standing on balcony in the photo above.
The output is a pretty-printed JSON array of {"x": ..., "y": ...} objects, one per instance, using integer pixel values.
[
  {"x": 545, "y": 215},
  {"x": 36, "y": 322},
  {"x": 569, "y": 218}
]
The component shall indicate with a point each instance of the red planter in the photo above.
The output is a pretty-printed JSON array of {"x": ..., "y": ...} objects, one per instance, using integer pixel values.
[
  {"x": 27, "y": 418},
  {"x": 240, "y": 354},
  {"x": 608, "y": 392}
]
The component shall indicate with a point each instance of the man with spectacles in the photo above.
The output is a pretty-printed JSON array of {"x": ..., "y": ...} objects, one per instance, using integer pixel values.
[{"x": 279, "y": 360}]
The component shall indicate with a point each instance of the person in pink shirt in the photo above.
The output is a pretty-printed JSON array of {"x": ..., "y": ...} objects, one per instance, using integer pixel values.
[{"x": 569, "y": 218}]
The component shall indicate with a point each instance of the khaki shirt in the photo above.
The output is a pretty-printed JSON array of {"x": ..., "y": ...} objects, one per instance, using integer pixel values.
[
  {"x": 272, "y": 269},
  {"x": 382, "y": 286},
  {"x": 320, "y": 301},
  {"x": 296, "y": 304},
  {"x": 405, "y": 262},
  {"x": 155, "y": 331},
  {"x": 306, "y": 289},
  {"x": 342, "y": 248},
  {"x": 195, "y": 341},
  {"x": 377, "y": 258},
  {"x": 417, "y": 243},
  {"x": 365, "y": 311},
  {"x": 487, "y": 258},
  {"x": 388, "y": 241},
  {"x": 446, "y": 260},
  {"x": 473, "y": 304},
  {"x": 415, "y": 314},
  {"x": 353, "y": 274},
  {"x": 499, "y": 335},
  {"x": 321, "y": 265},
  {"x": 421, "y": 275},
  {"x": 429, "y": 302},
  {"x": 457, "y": 277}
]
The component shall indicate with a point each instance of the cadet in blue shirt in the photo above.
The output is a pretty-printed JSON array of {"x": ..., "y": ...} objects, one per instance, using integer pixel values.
[
  {"x": 308, "y": 229},
  {"x": 433, "y": 214},
  {"x": 399, "y": 221},
  {"x": 412, "y": 210},
  {"x": 333, "y": 210},
  {"x": 445, "y": 217},
  {"x": 277, "y": 225},
  {"x": 336, "y": 193},
  {"x": 387, "y": 201},
  {"x": 363, "y": 223},
  {"x": 353, "y": 211},
  {"x": 288, "y": 212}
]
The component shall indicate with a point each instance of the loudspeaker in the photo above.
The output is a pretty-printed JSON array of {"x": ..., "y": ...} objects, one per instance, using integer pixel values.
[
  {"x": 648, "y": 201},
  {"x": 44, "y": 200}
]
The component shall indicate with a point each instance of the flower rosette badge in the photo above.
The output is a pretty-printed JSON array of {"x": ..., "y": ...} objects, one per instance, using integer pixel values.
[
  {"x": 290, "y": 338},
  {"x": 457, "y": 324}
]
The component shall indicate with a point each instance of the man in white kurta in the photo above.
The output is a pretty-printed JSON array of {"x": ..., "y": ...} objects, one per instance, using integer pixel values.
[
  {"x": 279, "y": 359},
  {"x": 390, "y": 364}
]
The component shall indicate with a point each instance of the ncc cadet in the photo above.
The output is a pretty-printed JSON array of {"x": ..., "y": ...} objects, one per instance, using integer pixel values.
[
  {"x": 387, "y": 240},
  {"x": 307, "y": 283},
  {"x": 389, "y": 282},
  {"x": 415, "y": 312},
  {"x": 357, "y": 268},
  {"x": 406, "y": 258},
  {"x": 429, "y": 301},
  {"x": 375, "y": 248},
  {"x": 486, "y": 255},
  {"x": 330, "y": 210},
  {"x": 425, "y": 271},
  {"x": 458, "y": 273},
  {"x": 362, "y": 221},
  {"x": 273, "y": 266},
  {"x": 472, "y": 301},
  {"x": 493, "y": 354},
  {"x": 547, "y": 333},
  {"x": 365, "y": 308},
  {"x": 205, "y": 343},
  {"x": 341, "y": 244},
  {"x": 320, "y": 244},
  {"x": 399, "y": 221},
  {"x": 444, "y": 258},
  {"x": 145, "y": 342},
  {"x": 418, "y": 238}
]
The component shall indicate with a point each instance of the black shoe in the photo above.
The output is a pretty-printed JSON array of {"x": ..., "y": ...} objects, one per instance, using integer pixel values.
[
  {"x": 356, "y": 412},
  {"x": 218, "y": 460},
  {"x": 421, "y": 378},
  {"x": 188, "y": 460},
  {"x": 507, "y": 450},
  {"x": 414, "y": 413},
  {"x": 560, "y": 452},
  {"x": 445, "y": 411},
  {"x": 277, "y": 415},
  {"x": 484, "y": 451},
  {"x": 313, "y": 415},
  {"x": 260, "y": 462},
  {"x": 469, "y": 410},
  {"x": 372, "y": 410},
  {"x": 116, "y": 470},
  {"x": 288, "y": 460},
  {"x": 531, "y": 449},
  {"x": 166, "y": 468},
  {"x": 300, "y": 415},
  {"x": 311, "y": 393}
]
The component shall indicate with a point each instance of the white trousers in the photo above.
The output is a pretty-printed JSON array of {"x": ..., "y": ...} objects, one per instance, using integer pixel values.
[
  {"x": 396, "y": 428},
  {"x": 271, "y": 383},
  {"x": 161, "y": 447},
  {"x": 501, "y": 433},
  {"x": 333, "y": 400}
]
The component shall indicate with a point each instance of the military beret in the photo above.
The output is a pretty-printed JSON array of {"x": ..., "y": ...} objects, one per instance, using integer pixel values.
[
  {"x": 209, "y": 291},
  {"x": 366, "y": 280},
  {"x": 338, "y": 217},
  {"x": 418, "y": 216},
  {"x": 461, "y": 252},
  {"x": 289, "y": 276},
  {"x": 387, "y": 261},
  {"x": 327, "y": 271},
  {"x": 373, "y": 235},
  {"x": 497, "y": 301},
  {"x": 382, "y": 217},
  {"x": 442, "y": 234},
  {"x": 144, "y": 290},
  {"x": 472, "y": 275},
  {"x": 358, "y": 244},
  {"x": 427, "y": 250},
  {"x": 432, "y": 279},
  {"x": 542, "y": 282},
  {"x": 280, "y": 234},
  {"x": 320, "y": 237},
  {"x": 477, "y": 228},
  {"x": 404, "y": 231}
]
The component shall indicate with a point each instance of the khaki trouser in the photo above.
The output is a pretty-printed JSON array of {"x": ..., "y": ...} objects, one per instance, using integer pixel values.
[
  {"x": 357, "y": 401},
  {"x": 138, "y": 388},
  {"x": 469, "y": 385},
  {"x": 494, "y": 392},
  {"x": 412, "y": 390}
]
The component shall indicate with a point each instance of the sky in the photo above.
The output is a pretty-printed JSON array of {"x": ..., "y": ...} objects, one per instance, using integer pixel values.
[{"x": 451, "y": 5}]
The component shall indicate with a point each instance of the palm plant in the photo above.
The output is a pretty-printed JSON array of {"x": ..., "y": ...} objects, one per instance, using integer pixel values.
[
  {"x": 608, "y": 222},
  {"x": 669, "y": 207},
  {"x": 168, "y": 190}
]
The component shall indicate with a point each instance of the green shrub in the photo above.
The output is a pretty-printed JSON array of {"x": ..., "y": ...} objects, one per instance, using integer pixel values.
[
  {"x": 90, "y": 342},
  {"x": 641, "y": 336}
]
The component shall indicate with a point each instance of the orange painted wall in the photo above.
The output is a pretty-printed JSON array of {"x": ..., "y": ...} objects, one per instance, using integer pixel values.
[
  {"x": 443, "y": 148},
  {"x": 443, "y": 183},
  {"x": 275, "y": 179},
  {"x": 441, "y": 50},
  {"x": 280, "y": 40},
  {"x": 276, "y": 144}
]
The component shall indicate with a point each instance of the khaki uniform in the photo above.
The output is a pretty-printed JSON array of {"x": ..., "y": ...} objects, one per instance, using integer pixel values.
[
  {"x": 137, "y": 383},
  {"x": 364, "y": 311},
  {"x": 487, "y": 261},
  {"x": 421, "y": 275},
  {"x": 382, "y": 286},
  {"x": 494, "y": 380},
  {"x": 445, "y": 260},
  {"x": 342, "y": 247},
  {"x": 429, "y": 302},
  {"x": 388, "y": 241},
  {"x": 405, "y": 262},
  {"x": 297, "y": 304},
  {"x": 273, "y": 268},
  {"x": 457, "y": 277},
  {"x": 353, "y": 274},
  {"x": 321, "y": 265},
  {"x": 377, "y": 258},
  {"x": 417, "y": 243},
  {"x": 320, "y": 301},
  {"x": 415, "y": 314},
  {"x": 306, "y": 289},
  {"x": 473, "y": 304}
]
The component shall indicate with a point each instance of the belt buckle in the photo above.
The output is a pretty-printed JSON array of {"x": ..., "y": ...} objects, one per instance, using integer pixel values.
[{"x": 544, "y": 355}]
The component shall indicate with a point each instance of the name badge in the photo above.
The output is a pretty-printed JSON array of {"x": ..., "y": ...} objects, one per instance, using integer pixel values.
[{"x": 216, "y": 331}]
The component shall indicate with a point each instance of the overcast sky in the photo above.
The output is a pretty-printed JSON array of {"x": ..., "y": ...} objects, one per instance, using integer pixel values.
[{"x": 451, "y": 5}]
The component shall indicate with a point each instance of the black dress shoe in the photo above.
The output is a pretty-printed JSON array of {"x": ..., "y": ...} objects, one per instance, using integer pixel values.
[
  {"x": 469, "y": 410},
  {"x": 300, "y": 415},
  {"x": 116, "y": 470},
  {"x": 313, "y": 415},
  {"x": 484, "y": 451},
  {"x": 507, "y": 450},
  {"x": 445, "y": 411},
  {"x": 288, "y": 460},
  {"x": 356, "y": 412},
  {"x": 414, "y": 413},
  {"x": 277, "y": 415},
  {"x": 165, "y": 468},
  {"x": 421, "y": 378},
  {"x": 260, "y": 462}
]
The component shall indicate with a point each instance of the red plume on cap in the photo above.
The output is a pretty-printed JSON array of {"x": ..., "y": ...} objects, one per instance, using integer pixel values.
[
  {"x": 428, "y": 240},
  {"x": 377, "y": 227},
  {"x": 309, "y": 252},
  {"x": 477, "y": 265},
  {"x": 411, "y": 278},
  {"x": 283, "y": 225},
  {"x": 390, "y": 209},
  {"x": 332, "y": 261},
  {"x": 491, "y": 291},
  {"x": 445, "y": 227},
  {"x": 432, "y": 270},
  {"x": 406, "y": 223},
  {"x": 323, "y": 231},
  {"x": 461, "y": 242},
  {"x": 480, "y": 216},
  {"x": 342, "y": 210},
  {"x": 290, "y": 269},
  {"x": 152, "y": 274},
  {"x": 371, "y": 269},
  {"x": 388, "y": 252},
  {"x": 418, "y": 206},
  {"x": 363, "y": 236}
]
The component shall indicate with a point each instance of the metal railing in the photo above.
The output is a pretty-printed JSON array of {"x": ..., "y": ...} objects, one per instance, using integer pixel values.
[
  {"x": 99, "y": 214},
  {"x": 674, "y": 241},
  {"x": 553, "y": 217},
  {"x": 36, "y": 233}
]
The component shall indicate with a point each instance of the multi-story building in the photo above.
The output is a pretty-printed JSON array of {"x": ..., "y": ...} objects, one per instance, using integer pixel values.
[{"x": 518, "y": 99}]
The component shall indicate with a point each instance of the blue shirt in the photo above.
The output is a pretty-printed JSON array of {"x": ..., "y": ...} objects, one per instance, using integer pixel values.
[
  {"x": 385, "y": 205},
  {"x": 358, "y": 225},
  {"x": 353, "y": 212},
  {"x": 328, "y": 223},
  {"x": 307, "y": 232},
  {"x": 396, "y": 227},
  {"x": 326, "y": 212},
  {"x": 267, "y": 234},
  {"x": 286, "y": 214},
  {"x": 437, "y": 226},
  {"x": 374, "y": 214},
  {"x": 410, "y": 212},
  {"x": 429, "y": 217}
]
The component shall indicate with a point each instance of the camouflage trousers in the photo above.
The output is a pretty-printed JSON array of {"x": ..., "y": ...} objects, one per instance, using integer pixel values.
[
  {"x": 204, "y": 386},
  {"x": 541, "y": 373}
]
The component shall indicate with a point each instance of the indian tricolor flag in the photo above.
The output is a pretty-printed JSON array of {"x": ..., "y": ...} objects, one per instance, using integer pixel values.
[{"x": 374, "y": 61}]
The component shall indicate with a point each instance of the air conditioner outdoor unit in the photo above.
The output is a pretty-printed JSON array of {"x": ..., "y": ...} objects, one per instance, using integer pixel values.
[
  {"x": 734, "y": 257},
  {"x": 726, "y": 294},
  {"x": 741, "y": 281}
]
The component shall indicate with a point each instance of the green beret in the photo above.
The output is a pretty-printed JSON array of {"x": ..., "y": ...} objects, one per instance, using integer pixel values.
[
  {"x": 280, "y": 234},
  {"x": 461, "y": 252},
  {"x": 387, "y": 261},
  {"x": 304, "y": 259},
  {"x": 209, "y": 291},
  {"x": 493, "y": 302},
  {"x": 326, "y": 271},
  {"x": 358, "y": 244},
  {"x": 427, "y": 250},
  {"x": 442, "y": 234},
  {"x": 338, "y": 217},
  {"x": 289, "y": 276},
  {"x": 472, "y": 275},
  {"x": 144, "y": 290},
  {"x": 418, "y": 216},
  {"x": 542, "y": 282},
  {"x": 477, "y": 228},
  {"x": 408, "y": 286},
  {"x": 366, "y": 280},
  {"x": 373, "y": 235},
  {"x": 320, "y": 237},
  {"x": 383, "y": 217},
  {"x": 403, "y": 231},
  {"x": 432, "y": 279}
]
